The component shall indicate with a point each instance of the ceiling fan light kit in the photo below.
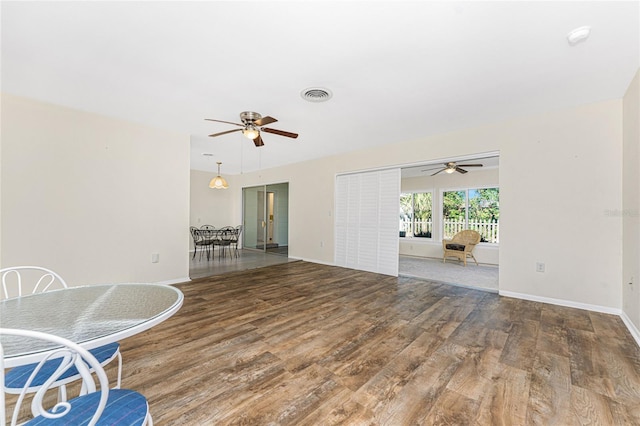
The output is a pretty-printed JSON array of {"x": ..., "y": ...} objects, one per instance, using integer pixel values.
[
  {"x": 218, "y": 182},
  {"x": 251, "y": 132}
]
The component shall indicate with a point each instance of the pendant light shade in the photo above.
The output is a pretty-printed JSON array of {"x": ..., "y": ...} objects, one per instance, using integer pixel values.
[{"x": 218, "y": 182}]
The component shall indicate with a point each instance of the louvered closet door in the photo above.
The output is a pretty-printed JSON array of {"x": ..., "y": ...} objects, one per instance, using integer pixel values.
[{"x": 366, "y": 214}]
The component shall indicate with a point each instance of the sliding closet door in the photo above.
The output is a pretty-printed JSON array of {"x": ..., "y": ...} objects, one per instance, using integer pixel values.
[{"x": 367, "y": 221}]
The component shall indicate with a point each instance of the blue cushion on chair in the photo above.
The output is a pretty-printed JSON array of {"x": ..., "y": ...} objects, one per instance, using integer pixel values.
[
  {"x": 17, "y": 377},
  {"x": 124, "y": 407}
]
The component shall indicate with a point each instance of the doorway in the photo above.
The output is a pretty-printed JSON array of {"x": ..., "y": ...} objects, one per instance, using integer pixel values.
[
  {"x": 266, "y": 218},
  {"x": 432, "y": 194}
]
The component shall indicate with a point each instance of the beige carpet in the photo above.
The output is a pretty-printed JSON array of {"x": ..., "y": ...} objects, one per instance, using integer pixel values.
[{"x": 483, "y": 277}]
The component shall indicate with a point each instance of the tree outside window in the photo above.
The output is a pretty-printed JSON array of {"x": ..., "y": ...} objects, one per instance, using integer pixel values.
[{"x": 416, "y": 214}]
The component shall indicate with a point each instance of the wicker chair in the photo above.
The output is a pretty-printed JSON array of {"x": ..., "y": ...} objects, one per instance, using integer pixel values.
[{"x": 461, "y": 246}]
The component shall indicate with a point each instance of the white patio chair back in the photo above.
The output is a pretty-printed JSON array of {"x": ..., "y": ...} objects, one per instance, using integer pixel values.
[
  {"x": 72, "y": 356},
  {"x": 17, "y": 280},
  {"x": 96, "y": 402}
]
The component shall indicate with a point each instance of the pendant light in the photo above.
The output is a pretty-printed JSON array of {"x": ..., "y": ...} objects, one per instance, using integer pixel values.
[{"x": 218, "y": 182}]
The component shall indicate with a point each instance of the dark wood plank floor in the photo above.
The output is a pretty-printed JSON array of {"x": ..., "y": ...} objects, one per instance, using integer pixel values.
[{"x": 309, "y": 344}]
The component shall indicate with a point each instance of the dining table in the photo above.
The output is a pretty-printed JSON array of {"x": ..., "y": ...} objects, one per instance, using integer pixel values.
[{"x": 91, "y": 316}]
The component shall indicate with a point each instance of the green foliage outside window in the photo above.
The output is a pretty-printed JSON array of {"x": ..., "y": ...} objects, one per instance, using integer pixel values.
[
  {"x": 416, "y": 210},
  {"x": 477, "y": 209},
  {"x": 484, "y": 204}
]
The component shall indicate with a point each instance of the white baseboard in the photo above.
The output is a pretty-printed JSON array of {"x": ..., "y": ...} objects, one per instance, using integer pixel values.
[
  {"x": 631, "y": 326},
  {"x": 562, "y": 302},
  {"x": 176, "y": 281}
]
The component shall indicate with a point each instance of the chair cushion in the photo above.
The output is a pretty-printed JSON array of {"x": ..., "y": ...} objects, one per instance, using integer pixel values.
[
  {"x": 457, "y": 247},
  {"x": 124, "y": 407},
  {"x": 17, "y": 377}
]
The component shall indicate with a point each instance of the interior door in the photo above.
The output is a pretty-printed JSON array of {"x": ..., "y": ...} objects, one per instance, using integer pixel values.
[{"x": 253, "y": 208}]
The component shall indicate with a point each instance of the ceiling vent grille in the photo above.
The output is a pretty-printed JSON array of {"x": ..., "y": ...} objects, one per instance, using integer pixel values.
[{"x": 316, "y": 94}]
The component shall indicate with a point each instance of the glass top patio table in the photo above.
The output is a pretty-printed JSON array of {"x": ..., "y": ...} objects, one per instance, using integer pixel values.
[{"x": 91, "y": 316}]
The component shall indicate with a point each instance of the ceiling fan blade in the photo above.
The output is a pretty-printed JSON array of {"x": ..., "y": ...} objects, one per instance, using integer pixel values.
[
  {"x": 469, "y": 165},
  {"x": 264, "y": 121},
  {"x": 280, "y": 132},
  {"x": 428, "y": 170},
  {"x": 221, "y": 121},
  {"x": 258, "y": 141},
  {"x": 224, "y": 133},
  {"x": 439, "y": 171},
  {"x": 459, "y": 170}
]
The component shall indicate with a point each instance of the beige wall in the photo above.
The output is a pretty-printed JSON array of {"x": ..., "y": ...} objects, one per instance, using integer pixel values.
[
  {"x": 558, "y": 181},
  {"x": 420, "y": 247},
  {"x": 92, "y": 197},
  {"x": 631, "y": 205}
]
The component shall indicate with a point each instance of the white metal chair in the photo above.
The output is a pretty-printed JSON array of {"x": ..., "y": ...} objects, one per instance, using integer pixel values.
[
  {"x": 35, "y": 279},
  {"x": 97, "y": 405}
]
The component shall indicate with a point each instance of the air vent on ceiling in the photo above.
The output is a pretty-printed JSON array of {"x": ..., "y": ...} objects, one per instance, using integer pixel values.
[{"x": 316, "y": 94}]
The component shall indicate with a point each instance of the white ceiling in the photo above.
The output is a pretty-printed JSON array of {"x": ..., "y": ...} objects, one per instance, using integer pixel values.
[{"x": 397, "y": 70}]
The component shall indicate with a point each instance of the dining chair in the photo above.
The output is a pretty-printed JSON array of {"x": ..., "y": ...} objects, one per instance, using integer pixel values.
[
  {"x": 17, "y": 280},
  {"x": 96, "y": 405},
  {"x": 236, "y": 238},
  {"x": 225, "y": 238},
  {"x": 202, "y": 238}
]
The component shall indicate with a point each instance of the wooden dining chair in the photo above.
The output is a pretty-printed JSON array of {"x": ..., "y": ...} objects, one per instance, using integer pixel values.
[
  {"x": 21, "y": 280},
  {"x": 97, "y": 404}
]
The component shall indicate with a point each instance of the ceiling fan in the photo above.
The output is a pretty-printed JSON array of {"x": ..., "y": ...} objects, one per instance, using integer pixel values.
[
  {"x": 451, "y": 167},
  {"x": 252, "y": 125}
]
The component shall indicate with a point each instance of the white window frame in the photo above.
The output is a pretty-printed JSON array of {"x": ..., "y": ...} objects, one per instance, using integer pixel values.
[
  {"x": 466, "y": 212},
  {"x": 433, "y": 225}
]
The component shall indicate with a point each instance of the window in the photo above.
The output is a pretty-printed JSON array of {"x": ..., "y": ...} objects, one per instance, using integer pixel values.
[
  {"x": 477, "y": 209},
  {"x": 416, "y": 214}
]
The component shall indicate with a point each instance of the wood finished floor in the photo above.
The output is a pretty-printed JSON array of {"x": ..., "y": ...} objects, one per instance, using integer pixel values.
[{"x": 309, "y": 344}]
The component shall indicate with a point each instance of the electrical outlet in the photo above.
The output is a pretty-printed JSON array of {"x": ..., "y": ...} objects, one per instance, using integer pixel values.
[
  {"x": 155, "y": 257},
  {"x": 539, "y": 267},
  {"x": 321, "y": 243}
]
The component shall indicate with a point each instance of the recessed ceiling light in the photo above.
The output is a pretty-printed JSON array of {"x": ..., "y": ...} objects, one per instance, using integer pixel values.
[
  {"x": 316, "y": 94},
  {"x": 578, "y": 35}
]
